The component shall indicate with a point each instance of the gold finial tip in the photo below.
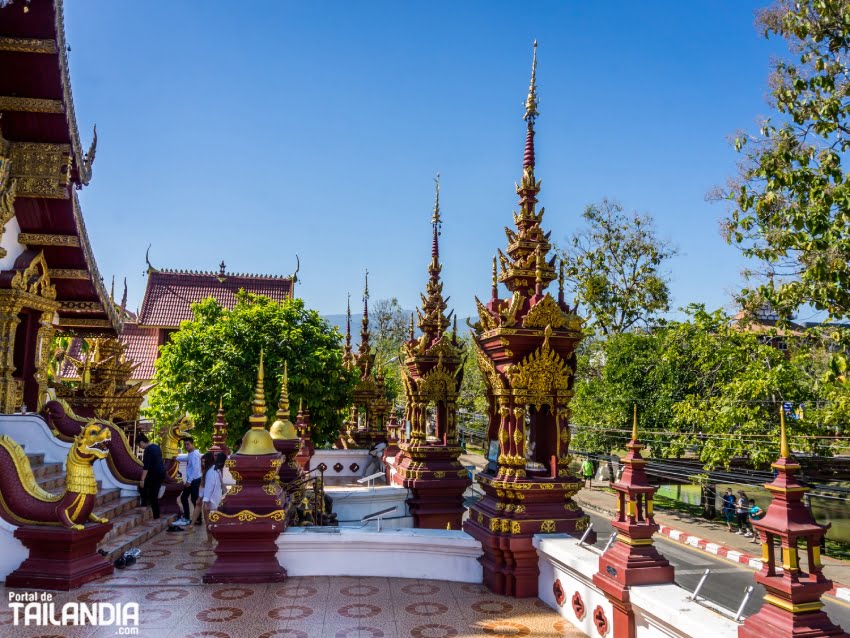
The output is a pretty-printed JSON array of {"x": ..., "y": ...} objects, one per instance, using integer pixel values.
[
  {"x": 634, "y": 423},
  {"x": 784, "y": 451}
]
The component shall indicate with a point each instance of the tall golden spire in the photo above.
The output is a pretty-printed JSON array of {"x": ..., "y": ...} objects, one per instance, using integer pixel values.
[
  {"x": 347, "y": 355},
  {"x": 257, "y": 441},
  {"x": 531, "y": 100},
  {"x": 258, "y": 405},
  {"x": 634, "y": 424},
  {"x": 282, "y": 428},
  {"x": 784, "y": 452},
  {"x": 364, "y": 328}
]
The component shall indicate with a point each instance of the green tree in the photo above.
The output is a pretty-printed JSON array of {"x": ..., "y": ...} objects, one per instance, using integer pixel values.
[
  {"x": 389, "y": 328},
  {"x": 215, "y": 356},
  {"x": 473, "y": 392},
  {"x": 615, "y": 267},
  {"x": 791, "y": 198},
  {"x": 707, "y": 389}
]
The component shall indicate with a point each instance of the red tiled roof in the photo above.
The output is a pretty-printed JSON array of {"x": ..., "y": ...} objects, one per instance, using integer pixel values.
[
  {"x": 142, "y": 349},
  {"x": 169, "y": 295}
]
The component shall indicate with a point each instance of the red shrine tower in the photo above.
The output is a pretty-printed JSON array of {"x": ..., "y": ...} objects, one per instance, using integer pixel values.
[
  {"x": 525, "y": 346},
  {"x": 432, "y": 373},
  {"x": 792, "y": 603},
  {"x": 633, "y": 559}
]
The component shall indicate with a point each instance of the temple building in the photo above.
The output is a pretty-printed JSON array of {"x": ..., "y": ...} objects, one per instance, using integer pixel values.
[{"x": 49, "y": 281}]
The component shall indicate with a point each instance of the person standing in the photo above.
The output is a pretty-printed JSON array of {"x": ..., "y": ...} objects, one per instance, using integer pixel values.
[
  {"x": 192, "y": 483},
  {"x": 755, "y": 513},
  {"x": 587, "y": 472},
  {"x": 207, "y": 461},
  {"x": 153, "y": 472},
  {"x": 728, "y": 508},
  {"x": 742, "y": 510},
  {"x": 213, "y": 488}
]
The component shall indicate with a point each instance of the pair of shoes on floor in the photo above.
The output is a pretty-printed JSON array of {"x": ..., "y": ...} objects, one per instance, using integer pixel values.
[
  {"x": 174, "y": 528},
  {"x": 182, "y": 521},
  {"x": 748, "y": 534}
]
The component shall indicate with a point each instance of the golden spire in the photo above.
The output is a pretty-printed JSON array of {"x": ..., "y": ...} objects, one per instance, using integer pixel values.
[
  {"x": 436, "y": 218},
  {"x": 495, "y": 291},
  {"x": 783, "y": 435},
  {"x": 412, "y": 330},
  {"x": 258, "y": 405},
  {"x": 283, "y": 403},
  {"x": 364, "y": 328},
  {"x": 531, "y": 100},
  {"x": 634, "y": 424},
  {"x": 257, "y": 441},
  {"x": 282, "y": 428}
]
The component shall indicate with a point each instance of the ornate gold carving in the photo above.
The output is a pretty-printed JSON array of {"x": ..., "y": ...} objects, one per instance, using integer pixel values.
[
  {"x": 246, "y": 516},
  {"x": 547, "y": 312},
  {"x": 480, "y": 517},
  {"x": 439, "y": 475},
  {"x": 509, "y": 314},
  {"x": 69, "y": 273},
  {"x": 539, "y": 376},
  {"x": 486, "y": 321},
  {"x": 547, "y": 527},
  {"x": 30, "y": 105},
  {"x": 35, "y": 279},
  {"x": 81, "y": 306},
  {"x": 516, "y": 528},
  {"x": 8, "y": 190},
  {"x": 41, "y": 170},
  {"x": 488, "y": 369},
  {"x": 45, "y": 239},
  {"x": 582, "y": 523},
  {"x": 72, "y": 322},
  {"x": 27, "y": 45}
]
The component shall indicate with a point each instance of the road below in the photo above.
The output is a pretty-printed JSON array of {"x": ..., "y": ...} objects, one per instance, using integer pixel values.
[{"x": 727, "y": 582}]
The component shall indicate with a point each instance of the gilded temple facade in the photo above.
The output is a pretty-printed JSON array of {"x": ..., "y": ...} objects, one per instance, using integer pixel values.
[{"x": 49, "y": 281}]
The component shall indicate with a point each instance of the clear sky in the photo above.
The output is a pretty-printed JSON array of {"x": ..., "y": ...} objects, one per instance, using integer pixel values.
[{"x": 251, "y": 131}]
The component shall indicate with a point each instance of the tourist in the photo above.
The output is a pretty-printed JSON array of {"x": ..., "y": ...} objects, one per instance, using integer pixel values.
[
  {"x": 742, "y": 509},
  {"x": 153, "y": 472},
  {"x": 192, "y": 481},
  {"x": 755, "y": 513},
  {"x": 207, "y": 461},
  {"x": 587, "y": 472},
  {"x": 213, "y": 488},
  {"x": 728, "y": 508}
]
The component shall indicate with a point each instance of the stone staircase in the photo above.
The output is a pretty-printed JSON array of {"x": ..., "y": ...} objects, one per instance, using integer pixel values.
[{"x": 131, "y": 525}]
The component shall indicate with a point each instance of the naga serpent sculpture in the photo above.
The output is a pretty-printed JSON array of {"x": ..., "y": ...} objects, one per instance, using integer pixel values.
[{"x": 24, "y": 502}]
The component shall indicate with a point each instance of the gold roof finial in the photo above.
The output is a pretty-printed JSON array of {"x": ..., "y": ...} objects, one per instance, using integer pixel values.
[
  {"x": 784, "y": 452},
  {"x": 258, "y": 405},
  {"x": 634, "y": 424},
  {"x": 531, "y": 100},
  {"x": 283, "y": 403},
  {"x": 495, "y": 288},
  {"x": 220, "y": 404},
  {"x": 436, "y": 217},
  {"x": 257, "y": 441}
]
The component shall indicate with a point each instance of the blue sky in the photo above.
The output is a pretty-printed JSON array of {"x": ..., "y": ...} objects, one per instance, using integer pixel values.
[{"x": 249, "y": 131}]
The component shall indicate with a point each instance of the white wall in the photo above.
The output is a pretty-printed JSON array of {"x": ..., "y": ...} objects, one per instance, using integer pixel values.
[
  {"x": 562, "y": 558},
  {"x": 410, "y": 553},
  {"x": 351, "y": 504},
  {"x": 345, "y": 458},
  {"x": 661, "y": 611},
  {"x": 11, "y": 244}
]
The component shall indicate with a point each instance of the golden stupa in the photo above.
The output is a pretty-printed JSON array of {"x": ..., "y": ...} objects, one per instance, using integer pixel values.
[
  {"x": 257, "y": 440},
  {"x": 283, "y": 428}
]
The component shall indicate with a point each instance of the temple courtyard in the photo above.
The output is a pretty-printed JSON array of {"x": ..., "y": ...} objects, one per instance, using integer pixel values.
[{"x": 166, "y": 583}]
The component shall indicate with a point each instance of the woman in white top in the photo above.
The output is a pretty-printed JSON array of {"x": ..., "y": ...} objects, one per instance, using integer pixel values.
[
  {"x": 213, "y": 488},
  {"x": 207, "y": 461}
]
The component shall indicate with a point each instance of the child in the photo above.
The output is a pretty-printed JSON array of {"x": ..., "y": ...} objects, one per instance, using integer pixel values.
[
  {"x": 587, "y": 473},
  {"x": 214, "y": 488},
  {"x": 756, "y": 513}
]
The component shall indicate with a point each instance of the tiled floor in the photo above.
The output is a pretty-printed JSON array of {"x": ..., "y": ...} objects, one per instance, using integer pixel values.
[{"x": 173, "y": 602}]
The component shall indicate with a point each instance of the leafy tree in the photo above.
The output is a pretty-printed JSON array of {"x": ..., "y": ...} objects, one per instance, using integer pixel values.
[
  {"x": 473, "y": 397},
  {"x": 704, "y": 387},
  {"x": 791, "y": 199},
  {"x": 616, "y": 268},
  {"x": 215, "y": 356},
  {"x": 389, "y": 328}
]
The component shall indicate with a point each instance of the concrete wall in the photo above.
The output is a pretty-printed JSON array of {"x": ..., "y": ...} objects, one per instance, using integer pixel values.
[
  {"x": 409, "y": 553},
  {"x": 661, "y": 611},
  {"x": 351, "y": 504},
  {"x": 353, "y": 462}
]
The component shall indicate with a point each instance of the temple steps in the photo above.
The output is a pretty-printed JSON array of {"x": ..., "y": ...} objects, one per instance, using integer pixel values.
[
  {"x": 131, "y": 530},
  {"x": 131, "y": 525}
]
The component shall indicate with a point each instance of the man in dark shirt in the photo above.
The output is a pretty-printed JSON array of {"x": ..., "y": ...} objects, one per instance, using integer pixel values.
[{"x": 153, "y": 472}]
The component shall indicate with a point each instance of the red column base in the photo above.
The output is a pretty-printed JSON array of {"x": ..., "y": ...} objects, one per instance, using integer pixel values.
[
  {"x": 60, "y": 559},
  {"x": 779, "y": 623},
  {"x": 438, "y": 508},
  {"x": 246, "y": 553},
  {"x": 170, "y": 501}
]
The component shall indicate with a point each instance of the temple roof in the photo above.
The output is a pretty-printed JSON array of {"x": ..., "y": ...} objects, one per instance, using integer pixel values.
[
  {"x": 169, "y": 294},
  {"x": 47, "y": 161},
  {"x": 142, "y": 349}
]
